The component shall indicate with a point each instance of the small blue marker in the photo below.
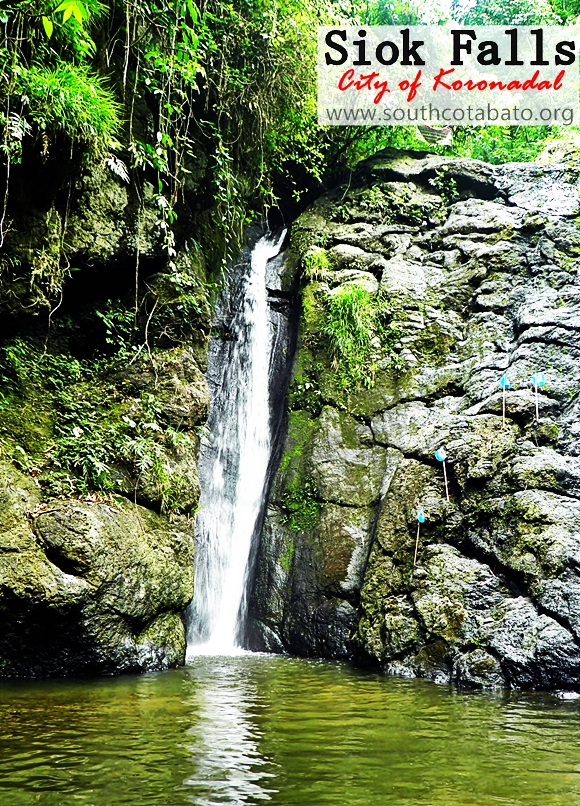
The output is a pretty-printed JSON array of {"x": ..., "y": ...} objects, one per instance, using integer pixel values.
[
  {"x": 538, "y": 380},
  {"x": 441, "y": 456},
  {"x": 505, "y": 384},
  {"x": 420, "y": 519}
]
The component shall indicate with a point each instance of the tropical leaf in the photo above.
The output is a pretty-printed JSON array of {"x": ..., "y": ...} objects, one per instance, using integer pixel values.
[
  {"x": 118, "y": 167},
  {"x": 73, "y": 8},
  {"x": 48, "y": 27}
]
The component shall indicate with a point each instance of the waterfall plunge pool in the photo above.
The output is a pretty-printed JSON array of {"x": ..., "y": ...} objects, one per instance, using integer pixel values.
[{"x": 251, "y": 729}]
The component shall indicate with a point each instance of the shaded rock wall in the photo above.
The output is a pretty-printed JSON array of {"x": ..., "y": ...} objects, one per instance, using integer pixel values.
[
  {"x": 480, "y": 265},
  {"x": 99, "y": 447},
  {"x": 98, "y": 584}
]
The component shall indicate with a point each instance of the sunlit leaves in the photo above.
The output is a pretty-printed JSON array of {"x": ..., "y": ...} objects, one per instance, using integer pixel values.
[
  {"x": 118, "y": 167},
  {"x": 512, "y": 12},
  {"x": 69, "y": 99},
  {"x": 74, "y": 8},
  {"x": 48, "y": 26}
]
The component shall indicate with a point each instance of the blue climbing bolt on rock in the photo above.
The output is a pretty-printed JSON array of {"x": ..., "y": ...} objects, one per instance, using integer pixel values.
[{"x": 505, "y": 384}]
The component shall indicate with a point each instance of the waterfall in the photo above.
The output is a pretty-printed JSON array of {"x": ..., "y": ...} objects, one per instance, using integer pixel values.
[{"x": 233, "y": 466}]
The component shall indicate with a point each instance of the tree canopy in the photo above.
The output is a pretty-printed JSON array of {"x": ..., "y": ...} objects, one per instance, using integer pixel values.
[{"x": 228, "y": 83}]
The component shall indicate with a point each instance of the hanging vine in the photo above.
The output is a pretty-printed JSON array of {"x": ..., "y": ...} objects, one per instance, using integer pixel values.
[{"x": 221, "y": 82}]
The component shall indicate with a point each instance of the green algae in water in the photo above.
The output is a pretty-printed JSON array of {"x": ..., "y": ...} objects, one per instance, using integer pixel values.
[{"x": 256, "y": 729}]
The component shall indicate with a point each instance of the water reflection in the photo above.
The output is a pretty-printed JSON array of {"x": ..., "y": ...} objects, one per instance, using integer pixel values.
[
  {"x": 228, "y": 764},
  {"x": 252, "y": 730}
]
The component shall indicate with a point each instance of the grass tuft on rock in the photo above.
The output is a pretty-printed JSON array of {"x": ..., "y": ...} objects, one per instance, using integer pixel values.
[{"x": 359, "y": 326}]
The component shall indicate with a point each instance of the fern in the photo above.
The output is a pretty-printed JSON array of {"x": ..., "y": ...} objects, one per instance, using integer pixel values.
[{"x": 69, "y": 99}]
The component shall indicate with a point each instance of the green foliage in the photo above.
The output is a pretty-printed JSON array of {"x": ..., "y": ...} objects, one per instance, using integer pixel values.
[
  {"x": 181, "y": 303},
  {"x": 98, "y": 435},
  {"x": 316, "y": 264},
  {"x": 358, "y": 325},
  {"x": 22, "y": 364},
  {"x": 87, "y": 437},
  {"x": 96, "y": 438},
  {"x": 221, "y": 81},
  {"x": 493, "y": 144},
  {"x": 301, "y": 506},
  {"x": 499, "y": 12},
  {"x": 73, "y": 8},
  {"x": 349, "y": 329},
  {"x": 499, "y": 144},
  {"x": 304, "y": 393},
  {"x": 46, "y": 86},
  {"x": 287, "y": 556},
  {"x": 401, "y": 12},
  {"x": 69, "y": 99},
  {"x": 173, "y": 310},
  {"x": 447, "y": 187},
  {"x": 300, "y": 502},
  {"x": 120, "y": 327}
]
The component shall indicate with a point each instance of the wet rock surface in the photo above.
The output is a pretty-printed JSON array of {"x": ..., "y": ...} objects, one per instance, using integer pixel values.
[
  {"x": 89, "y": 586},
  {"x": 481, "y": 266}
]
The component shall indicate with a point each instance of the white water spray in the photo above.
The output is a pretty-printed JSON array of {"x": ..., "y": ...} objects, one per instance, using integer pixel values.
[{"x": 233, "y": 470}]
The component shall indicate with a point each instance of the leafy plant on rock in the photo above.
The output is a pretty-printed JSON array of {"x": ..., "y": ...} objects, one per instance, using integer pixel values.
[
  {"x": 301, "y": 505},
  {"x": 359, "y": 326}
]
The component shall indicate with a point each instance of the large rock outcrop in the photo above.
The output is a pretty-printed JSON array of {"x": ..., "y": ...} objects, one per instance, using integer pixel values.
[
  {"x": 89, "y": 586},
  {"x": 103, "y": 349},
  {"x": 99, "y": 583},
  {"x": 480, "y": 267}
]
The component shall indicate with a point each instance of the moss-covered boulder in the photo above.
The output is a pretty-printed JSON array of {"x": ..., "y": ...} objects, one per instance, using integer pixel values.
[{"x": 89, "y": 586}]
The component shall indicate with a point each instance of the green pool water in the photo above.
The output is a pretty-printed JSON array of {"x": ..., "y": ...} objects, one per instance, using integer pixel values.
[{"x": 252, "y": 729}]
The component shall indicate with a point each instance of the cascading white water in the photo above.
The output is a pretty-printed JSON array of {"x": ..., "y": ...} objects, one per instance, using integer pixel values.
[{"x": 233, "y": 470}]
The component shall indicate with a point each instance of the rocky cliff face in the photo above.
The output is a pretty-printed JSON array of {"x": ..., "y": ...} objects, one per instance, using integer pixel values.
[
  {"x": 465, "y": 272},
  {"x": 100, "y": 406}
]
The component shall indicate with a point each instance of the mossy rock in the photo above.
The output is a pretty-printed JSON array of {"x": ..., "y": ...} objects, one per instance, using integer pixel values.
[{"x": 89, "y": 586}]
